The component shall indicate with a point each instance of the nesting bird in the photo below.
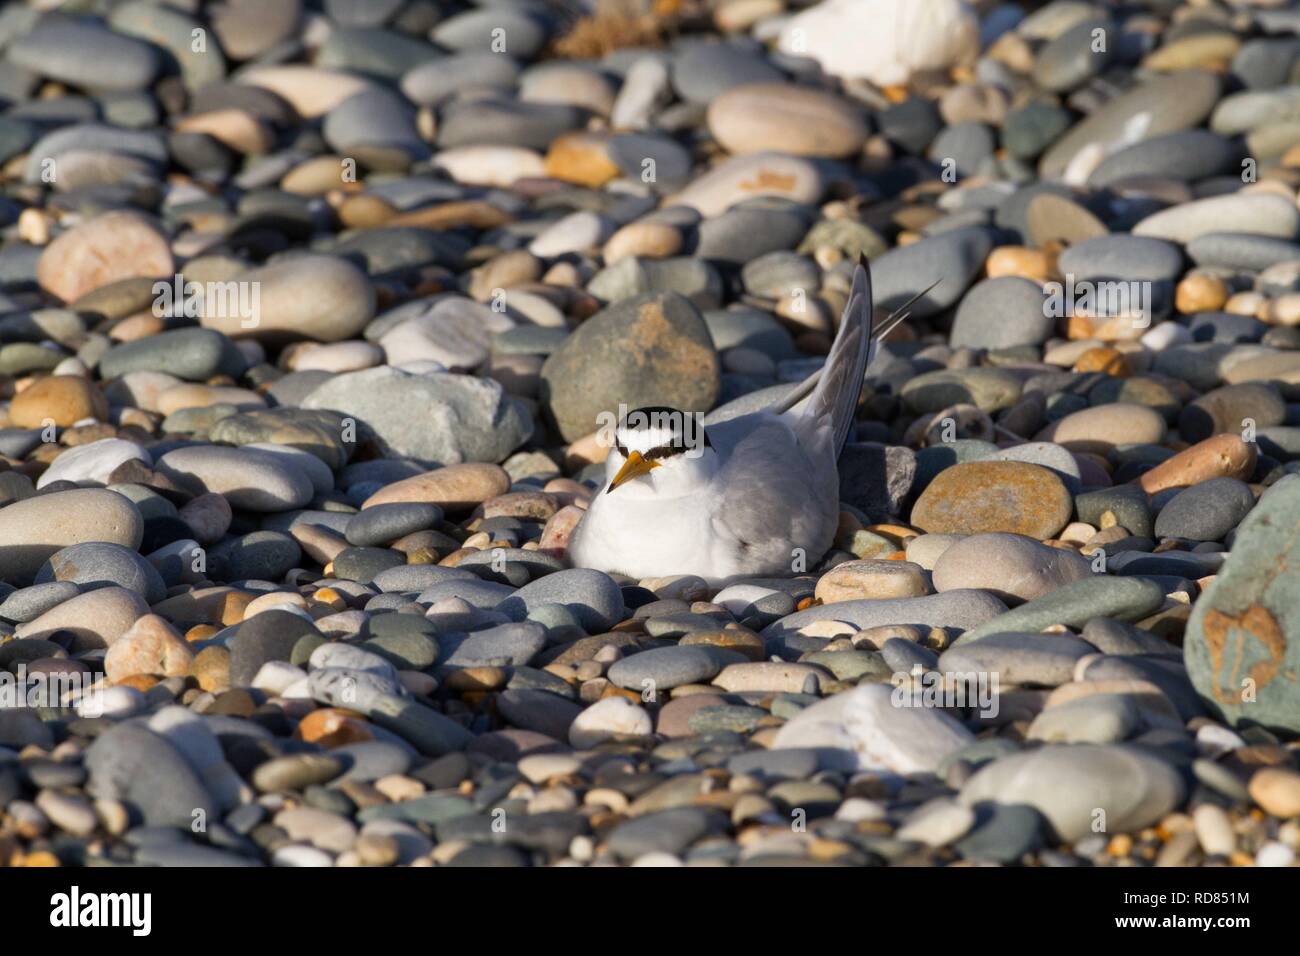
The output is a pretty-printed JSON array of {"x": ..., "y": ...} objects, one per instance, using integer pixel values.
[{"x": 757, "y": 495}]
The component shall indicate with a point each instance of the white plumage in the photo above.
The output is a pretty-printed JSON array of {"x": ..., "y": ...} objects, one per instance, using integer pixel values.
[{"x": 761, "y": 499}]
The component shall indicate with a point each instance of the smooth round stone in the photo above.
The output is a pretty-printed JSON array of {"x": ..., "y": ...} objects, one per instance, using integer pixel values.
[
  {"x": 1258, "y": 213},
  {"x": 1277, "y": 791},
  {"x": 504, "y": 645},
  {"x": 906, "y": 271},
  {"x": 591, "y": 595},
  {"x": 1050, "y": 456},
  {"x": 384, "y": 523},
  {"x": 1045, "y": 660},
  {"x": 767, "y": 174},
  {"x": 1074, "y": 604},
  {"x": 194, "y": 355},
  {"x": 937, "y": 823},
  {"x": 1265, "y": 63},
  {"x": 1072, "y": 58},
  {"x": 1005, "y": 312},
  {"x": 454, "y": 332},
  {"x": 454, "y": 488},
  {"x": 986, "y": 496},
  {"x": 307, "y": 296},
  {"x": 259, "y": 556},
  {"x": 989, "y": 389},
  {"x": 701, "y": 72},
  {"x": 375, "y": 126},
  {"x": 1241, "y": 251},
  {"x": 1098, "y": 719},
  {"x": 790, "y": 119},
  {"x": 664, "y": 668},
  {"x": 94, "y": 461},
  {"x": 363, "y": 564},
  {"x": 1003, "y": 835},
  {"x": 247, "y": 478},
  {"x": 416, "y": 578},
  {"x": 1233, "y": 408},
  {"x": 83, "y": 53},
  {"x": 438, "y": 79},
  {"x": 576, "y": 232},
  {"x": 31, "y": 531},
  {"x": 854, "y": 580},
  {"x": 862, "y": 729},
  {"x": 1164, "y": 104},
  {"x": 1068, "y": 784},
  {"x": 1104, "y": 427},
  {"x": 691, "y": 278},
  {"x": 1122, "y": 257},
  {"x": 501, "y": 121},
  {"x": 962, "y": 610},
  {"x": 1029, "y": 130},
  {"x": 307, "y": 431},
  {"x": 27, "y": 604},
  {"x": 780, "y": 273},
  {"x": 1013, "y": 567},
  {"x": 571, "y": 83},
  {"x": 1185, "y": 156},
  {"x": 95, "y": 619},
  {"x": 95, "y": 564},
  {"x": 517, "y": 33},
  {"x": 964, "y": 147},
  {"x": 131, "y": 763},
  {"x": 594, "y": 371},
  {"x": 172, "y": 30},
  {"x": 376, "y": 52},
  {"x": 100, "y": 251},
  {"x": 664, "y": 832},
  {"x": 1205, "y": 511}
]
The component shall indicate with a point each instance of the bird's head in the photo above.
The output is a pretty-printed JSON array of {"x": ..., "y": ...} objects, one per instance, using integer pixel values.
[{"x": 659, "y": 451}]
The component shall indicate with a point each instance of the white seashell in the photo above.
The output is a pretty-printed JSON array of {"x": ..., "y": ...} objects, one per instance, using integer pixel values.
[{"x": 884, "y": 41}]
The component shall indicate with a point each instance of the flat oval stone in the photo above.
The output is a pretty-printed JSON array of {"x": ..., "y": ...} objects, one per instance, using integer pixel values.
[
  {"x": 863, "y": 729},
  {"x": 1161, "y": 105},
  {"x": 1258, "y": 213},
  {"x": 31, "y": 531},
  {"x": 1102, "y": 428},
  {"x": 247, "y": 478},
  {"x": 106, "y": 249},
  {"x": 1044, "y": 660},
  {"x": 1076, "y": 603},
  {"x": 985, "y": 496},
  {"x": 1068, "y": 784},
  {"x": 307, "y": 296},
  {"x": 668, "y": 667},
  {"x": 802, "y": 121},
  {"x": 1013, "y": 567},
  {"x": 749, "y": 177}
]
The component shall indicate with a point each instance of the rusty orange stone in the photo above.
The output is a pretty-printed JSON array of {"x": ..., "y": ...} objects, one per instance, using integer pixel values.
[
  {"x": 1111, "y": 361},
  {"x": 1219, "y": 456},
  {"x": 333, "y": 727},
  {"x": 141, "y": 682}
]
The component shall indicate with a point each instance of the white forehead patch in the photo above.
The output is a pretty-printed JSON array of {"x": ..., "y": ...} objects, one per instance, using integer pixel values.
[{"x": 643, "y": 439}]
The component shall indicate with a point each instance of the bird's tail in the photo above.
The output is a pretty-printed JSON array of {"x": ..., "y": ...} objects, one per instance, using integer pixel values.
[
  {"x": 829, "y": 397},
  {"x": 835, "y": 399}
]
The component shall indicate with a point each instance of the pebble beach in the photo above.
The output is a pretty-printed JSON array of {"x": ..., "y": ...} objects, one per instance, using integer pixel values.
[{"x": 309, "y": 315}]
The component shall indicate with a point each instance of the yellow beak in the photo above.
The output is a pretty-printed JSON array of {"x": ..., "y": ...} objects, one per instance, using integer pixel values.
[{"x": 634, "y": 467}]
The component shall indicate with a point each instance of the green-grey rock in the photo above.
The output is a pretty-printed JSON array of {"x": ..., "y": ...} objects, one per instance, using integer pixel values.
[
  {"x": 1073, "y": 605},
  {"x": 1242, "y": 643}
]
